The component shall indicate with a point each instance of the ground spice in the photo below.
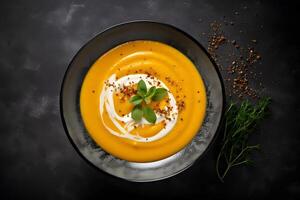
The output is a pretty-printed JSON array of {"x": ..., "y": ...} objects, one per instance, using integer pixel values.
[
  {"x": 239, "y": 72},
  {"x": 180, "y": 105},
  {"x": 125, "y": 92},
  {"x": 216, "y": 39}
]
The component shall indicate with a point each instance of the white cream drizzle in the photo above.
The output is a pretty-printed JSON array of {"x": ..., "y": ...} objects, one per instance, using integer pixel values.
[{"x": 106, "y": 99}]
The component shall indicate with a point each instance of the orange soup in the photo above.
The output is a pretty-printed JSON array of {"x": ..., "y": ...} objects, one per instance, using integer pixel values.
[{"x": 143, "y": 101}]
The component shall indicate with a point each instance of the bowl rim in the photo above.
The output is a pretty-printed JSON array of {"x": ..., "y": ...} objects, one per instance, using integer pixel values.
[{"x": 90, "y": 40}]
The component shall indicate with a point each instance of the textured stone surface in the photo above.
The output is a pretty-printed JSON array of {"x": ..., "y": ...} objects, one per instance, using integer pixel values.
[{"x": 38, "y": 40}]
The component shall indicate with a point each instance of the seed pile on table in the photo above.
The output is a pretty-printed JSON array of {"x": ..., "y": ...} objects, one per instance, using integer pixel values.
[{"x": 239, "y": 64}]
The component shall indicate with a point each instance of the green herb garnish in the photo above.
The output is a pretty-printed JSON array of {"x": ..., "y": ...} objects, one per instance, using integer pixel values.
[
  {"x": 136, "y": 100},
  {"x": 239, "y": 123},
  {"x": 149, "y": 115},
  {"x": 142, "y": 88},
  {"x": 137, "y": 113},
  {"x": 144, "y": 95},
  {"x": 160, "y": 93}
]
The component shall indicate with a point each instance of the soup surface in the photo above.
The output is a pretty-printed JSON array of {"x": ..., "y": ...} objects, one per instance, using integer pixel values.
[{"x": 143, "y": 101}]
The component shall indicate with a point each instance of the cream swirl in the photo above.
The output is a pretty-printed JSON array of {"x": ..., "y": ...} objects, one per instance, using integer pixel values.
[{"x": 106, "y": 99}]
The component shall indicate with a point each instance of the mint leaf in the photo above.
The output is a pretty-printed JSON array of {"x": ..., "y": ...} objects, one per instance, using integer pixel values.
[
  {"x": 135, "y": 100},
  {"x": 160, "y": 93},
  {"x": 150, "y": 94},
  {"x": 149, "y": 115},
  {"x": 142, "y": 88},
  {"x": 137, "y": 113}
]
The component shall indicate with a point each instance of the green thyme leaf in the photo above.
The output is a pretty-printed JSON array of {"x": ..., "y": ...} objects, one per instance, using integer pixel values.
[
  {"x": 160, "y": 93},
  {"x": 137, "y": 113},
  {"x": 135, "y": 100},
  {"x": 142, "y": 88},
  {"x": 240, "y": 121},
  {"x": 149, "y": 115},
  {"x": 150, "y": 94}
]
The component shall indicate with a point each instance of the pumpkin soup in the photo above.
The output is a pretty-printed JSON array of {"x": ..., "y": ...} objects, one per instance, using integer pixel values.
[{"x": 143, "y": 101}]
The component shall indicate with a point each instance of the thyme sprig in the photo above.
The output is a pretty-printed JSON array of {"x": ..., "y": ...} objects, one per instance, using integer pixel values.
[{"x": 240, "y": 120}]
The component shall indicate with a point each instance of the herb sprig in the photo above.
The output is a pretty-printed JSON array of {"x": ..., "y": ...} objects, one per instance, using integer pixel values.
[
  {"x": 239, "y": 123},
  {"x": 147, "y": 96}
]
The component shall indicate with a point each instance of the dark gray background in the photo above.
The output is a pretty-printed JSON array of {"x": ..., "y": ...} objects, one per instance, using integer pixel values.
[{"x": 38, "y": 40}]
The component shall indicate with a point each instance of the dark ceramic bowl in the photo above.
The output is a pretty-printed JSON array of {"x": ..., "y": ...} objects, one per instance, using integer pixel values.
[{"x": 88, "y": 54}]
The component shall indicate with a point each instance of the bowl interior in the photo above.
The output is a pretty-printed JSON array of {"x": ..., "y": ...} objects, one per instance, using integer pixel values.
[{"x": 103, "y": 42}]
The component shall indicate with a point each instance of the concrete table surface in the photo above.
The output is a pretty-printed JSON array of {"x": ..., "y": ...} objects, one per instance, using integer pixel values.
[{"x": 38, "y": 40}]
